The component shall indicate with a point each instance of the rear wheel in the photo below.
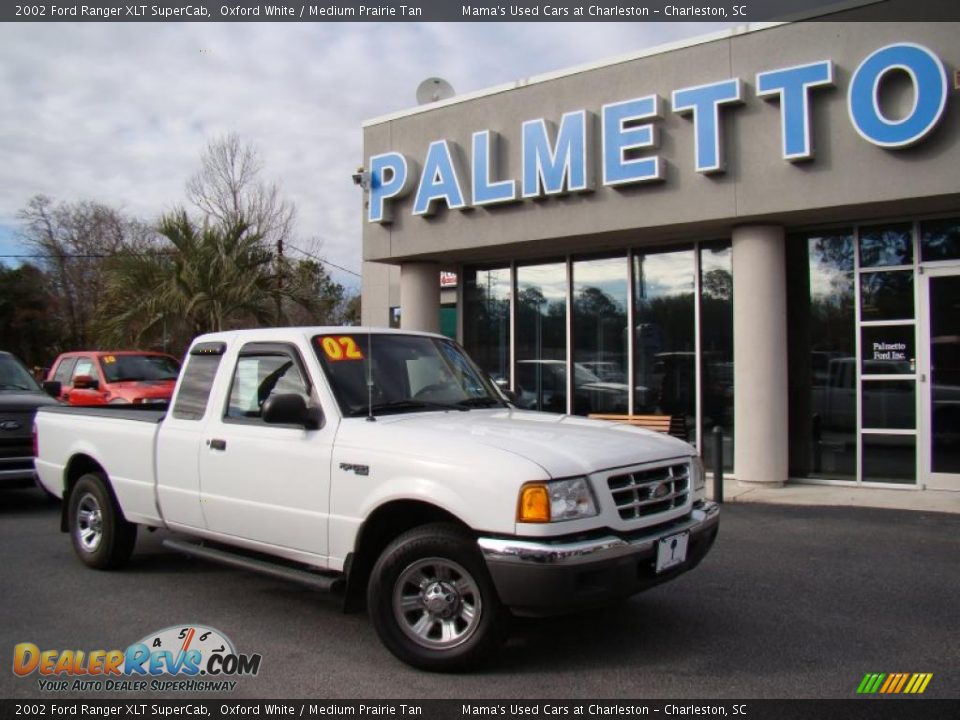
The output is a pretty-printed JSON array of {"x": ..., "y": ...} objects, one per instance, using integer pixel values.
[
  {"x": 432, "y": 602},
  {"x": 101, "y": 537}
]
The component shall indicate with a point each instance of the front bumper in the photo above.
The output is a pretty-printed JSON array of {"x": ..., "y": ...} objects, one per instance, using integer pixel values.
[{"x": 534, "y": 577}]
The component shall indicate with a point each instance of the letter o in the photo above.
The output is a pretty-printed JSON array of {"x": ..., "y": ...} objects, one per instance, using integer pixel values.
[{"x": 929, "y": 79}]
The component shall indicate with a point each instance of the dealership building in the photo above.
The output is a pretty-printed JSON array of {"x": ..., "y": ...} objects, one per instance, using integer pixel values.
[{"x": 757, "y": 231}]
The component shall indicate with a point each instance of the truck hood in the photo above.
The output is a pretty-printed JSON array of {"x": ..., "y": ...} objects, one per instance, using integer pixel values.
[
  {"x": 563, "y": 445},
  {"x": 22, "y": 400}
]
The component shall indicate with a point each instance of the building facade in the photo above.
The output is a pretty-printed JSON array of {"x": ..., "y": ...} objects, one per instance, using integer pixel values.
[{"x": 757, "y": 231}]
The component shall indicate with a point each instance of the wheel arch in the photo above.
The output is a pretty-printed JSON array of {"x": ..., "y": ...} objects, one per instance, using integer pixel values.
[
  {"x": 78, "y": 466},
  {"x": 385, "y": 523}
]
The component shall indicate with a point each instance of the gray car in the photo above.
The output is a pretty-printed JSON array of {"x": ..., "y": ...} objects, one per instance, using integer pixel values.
[{"x": 20, "y": 396}]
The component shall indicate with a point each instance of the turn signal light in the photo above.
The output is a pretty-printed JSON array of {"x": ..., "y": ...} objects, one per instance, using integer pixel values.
[{"x": 534, "y": 504}]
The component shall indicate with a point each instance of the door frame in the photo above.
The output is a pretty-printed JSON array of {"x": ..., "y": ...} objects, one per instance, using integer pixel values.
[{"x": 929, "y": 479}]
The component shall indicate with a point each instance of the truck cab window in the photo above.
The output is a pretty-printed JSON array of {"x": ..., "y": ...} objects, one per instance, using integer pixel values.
[
  {"x": 257, "y": 377},
  {"x": 191, "y": 402}
]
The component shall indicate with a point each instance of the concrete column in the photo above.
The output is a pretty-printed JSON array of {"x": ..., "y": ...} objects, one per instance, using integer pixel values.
[
  {"x": 760, "y": 405},
  {"x": 420, "y": 296}
]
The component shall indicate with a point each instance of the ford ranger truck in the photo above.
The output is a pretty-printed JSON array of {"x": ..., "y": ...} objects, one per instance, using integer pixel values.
[{"x": 384, "y": 465}]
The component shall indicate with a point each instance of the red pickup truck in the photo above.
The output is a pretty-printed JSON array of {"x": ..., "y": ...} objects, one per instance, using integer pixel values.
[{"x": 115, "y": 377}]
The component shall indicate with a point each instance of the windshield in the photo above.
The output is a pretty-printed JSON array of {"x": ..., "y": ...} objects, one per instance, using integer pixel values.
[
  {"x": 408, "y": 373},
  {"x": 14, "y": 376},
  {"x": 123, "y": 368}
]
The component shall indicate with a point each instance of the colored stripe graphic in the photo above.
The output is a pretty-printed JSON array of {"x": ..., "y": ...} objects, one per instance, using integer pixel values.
[{"x": 894, "y": 683}]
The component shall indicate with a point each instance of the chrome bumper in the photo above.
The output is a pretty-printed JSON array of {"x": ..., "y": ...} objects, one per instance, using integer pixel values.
[{"x": 536, "y": 552}]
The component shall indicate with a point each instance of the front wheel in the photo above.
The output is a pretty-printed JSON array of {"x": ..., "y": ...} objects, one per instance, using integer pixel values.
[
  {"x": 101, "y": 536},
  {"x": 432, "y": 601}
]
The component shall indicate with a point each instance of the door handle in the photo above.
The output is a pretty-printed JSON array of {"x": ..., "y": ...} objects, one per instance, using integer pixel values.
[{"x": 217, "y": 444}]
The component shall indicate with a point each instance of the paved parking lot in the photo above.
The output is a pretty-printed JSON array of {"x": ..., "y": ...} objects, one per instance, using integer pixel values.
[{"x": 792, "y": 602}]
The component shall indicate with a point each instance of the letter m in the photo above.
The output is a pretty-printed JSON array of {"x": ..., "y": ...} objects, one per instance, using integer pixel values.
[{"x": 558, "y": 161}]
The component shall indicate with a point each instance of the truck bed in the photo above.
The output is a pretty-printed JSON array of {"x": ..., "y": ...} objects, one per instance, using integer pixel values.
[
  {"x": 143, "y": 413},
  {"x": 120, "y": 439}
]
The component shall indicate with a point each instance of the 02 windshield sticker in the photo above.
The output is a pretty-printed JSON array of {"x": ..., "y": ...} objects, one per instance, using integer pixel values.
[{"x": 340, "y": 347}]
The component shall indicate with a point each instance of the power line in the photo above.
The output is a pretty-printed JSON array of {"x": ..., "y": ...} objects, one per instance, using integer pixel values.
[
  {"x": 95, "y": 256},
  {"x": 325, "y": 262}
]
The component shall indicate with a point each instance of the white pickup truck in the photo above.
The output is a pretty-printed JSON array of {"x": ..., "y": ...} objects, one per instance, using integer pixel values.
[{"x": 386, "y": 466}]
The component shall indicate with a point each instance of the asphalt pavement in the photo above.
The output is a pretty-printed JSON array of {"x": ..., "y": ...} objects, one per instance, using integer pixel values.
[{"x": 793, "y": 602}]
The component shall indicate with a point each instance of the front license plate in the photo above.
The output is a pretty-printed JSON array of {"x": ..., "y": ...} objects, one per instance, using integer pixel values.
[{"x": 671, "y": 551}]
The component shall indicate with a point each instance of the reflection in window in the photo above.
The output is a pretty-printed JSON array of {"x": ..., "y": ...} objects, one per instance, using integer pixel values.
[
  {"x": 664, "y": 354},
  {"x": 821, "y": 331},
  {"x": 890, "y": 458},
  {"x": 600, "y": 335},
  {"x": 541, "y": 381},
  {"x": 945, "y": 374},
  {"x": 258, "y": 377},
  {"x": 716, "y": 346},
  {"x": 889, "y": 404},
  {"x": 886, "y": 245},
  {"x": 886, "y": 295},
  {"x": 486, "y": 327},
  {"x": 940, "y": 240},
  {"x": 888, "y": 350}
]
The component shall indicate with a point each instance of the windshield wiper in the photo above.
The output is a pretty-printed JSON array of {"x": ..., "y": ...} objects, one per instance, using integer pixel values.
[
  {"x": 480, "y": 402},
  {"x": 410, "y": 404}
]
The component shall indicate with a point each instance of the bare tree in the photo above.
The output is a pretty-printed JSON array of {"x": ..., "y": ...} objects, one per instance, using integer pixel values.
[
  {"x": 74, "y": 240},
  {"x": 228, "y": 190}
]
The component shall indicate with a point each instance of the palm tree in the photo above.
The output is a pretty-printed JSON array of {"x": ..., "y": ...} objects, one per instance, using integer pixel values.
[{"x": 200, "y": 279}]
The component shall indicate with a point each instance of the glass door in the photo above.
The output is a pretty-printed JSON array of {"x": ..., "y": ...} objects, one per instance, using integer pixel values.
[{"x": 940, "y": 378}]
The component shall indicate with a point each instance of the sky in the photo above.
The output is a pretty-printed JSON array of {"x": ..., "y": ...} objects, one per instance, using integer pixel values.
[{"x": 120, "y": 113}]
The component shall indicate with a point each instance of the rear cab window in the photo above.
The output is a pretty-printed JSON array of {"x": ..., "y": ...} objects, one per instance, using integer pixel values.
[
  {"x": 198, "y": 376},
  {"x": 64, "y": 370}
]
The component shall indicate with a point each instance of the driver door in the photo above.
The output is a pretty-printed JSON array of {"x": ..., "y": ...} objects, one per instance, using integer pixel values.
[{"x": 266, "y": 483}]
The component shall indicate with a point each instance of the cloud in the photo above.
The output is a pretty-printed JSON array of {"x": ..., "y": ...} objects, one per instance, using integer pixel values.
[{"x": 120, "y": 112}]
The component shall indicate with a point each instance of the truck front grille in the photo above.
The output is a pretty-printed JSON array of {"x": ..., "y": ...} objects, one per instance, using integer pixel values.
[
  {"x": 16, "y": 448},
  {"x": 644, "y": 493}
]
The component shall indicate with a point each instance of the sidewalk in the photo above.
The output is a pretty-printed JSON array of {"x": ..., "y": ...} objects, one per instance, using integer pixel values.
[{"x": 802, "y": 494}]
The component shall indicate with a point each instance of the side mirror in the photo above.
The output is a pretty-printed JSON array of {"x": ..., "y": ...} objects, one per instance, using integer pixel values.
[
  {"x": 511, "y": 395},
  {"x": 53, "y": 388},
  {"x": 291, "y": 409},
  {"x": 85, "y": 382}
]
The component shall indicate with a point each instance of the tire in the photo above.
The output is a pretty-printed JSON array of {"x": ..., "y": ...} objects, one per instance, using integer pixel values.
[
  {"x": 432, "y": 602},
  {"x": 101, "y": 537}
]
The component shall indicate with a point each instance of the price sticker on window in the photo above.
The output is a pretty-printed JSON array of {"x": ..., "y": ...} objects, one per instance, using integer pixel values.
[{"x": 340, "y": 347}]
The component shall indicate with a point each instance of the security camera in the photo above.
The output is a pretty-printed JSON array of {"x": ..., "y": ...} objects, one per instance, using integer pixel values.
[{"x": 361, "y": 178}]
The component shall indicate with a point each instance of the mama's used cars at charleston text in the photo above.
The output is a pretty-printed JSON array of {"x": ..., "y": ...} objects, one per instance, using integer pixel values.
[{"x": 386, "y": 466}]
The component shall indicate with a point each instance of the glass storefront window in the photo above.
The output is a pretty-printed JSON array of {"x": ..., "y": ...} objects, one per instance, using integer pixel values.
[
  {"x": 822, "y": 355},
  {"x": 664, "y": 350},
  {"x": 486, "y": 328},
  {"x": 716, "y": 348},
  {"x": 886, "y": 295},
  {"x": 944, "y": 348},
  {"x": 888, "y": 350},
  {"x": 888, "y": 404},
  {"x": 940, "y": 240},
  {"x": 886, "y": 245},
  {"x": 890, "y": 458},
  {"x": 600, "y": 335},
  {"x": 541, "y": 325}
]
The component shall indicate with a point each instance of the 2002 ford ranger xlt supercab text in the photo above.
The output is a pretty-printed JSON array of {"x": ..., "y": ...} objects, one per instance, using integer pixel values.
[{"x": 386, "y": 466}]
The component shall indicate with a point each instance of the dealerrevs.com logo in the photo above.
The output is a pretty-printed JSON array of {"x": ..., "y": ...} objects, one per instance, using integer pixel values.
[{"x": 186, "y": 658}]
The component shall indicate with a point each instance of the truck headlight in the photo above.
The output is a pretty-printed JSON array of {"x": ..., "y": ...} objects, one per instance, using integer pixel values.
[
  {"x": 698, "y": 477},
  {"x": 555, "y": 501}
]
